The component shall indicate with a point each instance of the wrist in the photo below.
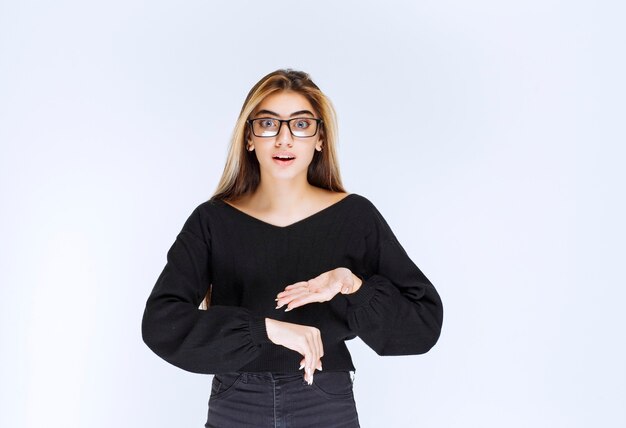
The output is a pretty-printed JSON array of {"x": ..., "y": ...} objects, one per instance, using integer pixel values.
[
  {"x": 357, "y": 282},
  {"x": 270, "y": 327},
  {"x": 258, "y": 330}
]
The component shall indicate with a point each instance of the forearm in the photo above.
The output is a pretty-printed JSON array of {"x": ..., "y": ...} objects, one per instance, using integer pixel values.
[{"x": 392, "y": 322}]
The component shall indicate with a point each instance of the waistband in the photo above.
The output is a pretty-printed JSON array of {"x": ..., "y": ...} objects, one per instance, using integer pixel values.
[{"x": 278, "y": 376}]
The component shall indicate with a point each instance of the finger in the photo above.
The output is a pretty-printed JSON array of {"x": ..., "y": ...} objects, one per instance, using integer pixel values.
[
  {"x": 308, "y": 359},
  {"x": 291, "y": 292},
  {"x": 318, "y": 362},
  {"x": 303, "y": 367},
  {"x": 316, "y": 345},
  {"x": 282, "y": 302},
  {"x": 296, "y": 285},
  {"x": 305, "y": 294},
  {"x": 288, "y": 299},
  {"x": 304, "y": 299},
  {"x": 320, "y": 352},
  {"x": 312, "y": 360},
  {"x": 294, "y": 291}
]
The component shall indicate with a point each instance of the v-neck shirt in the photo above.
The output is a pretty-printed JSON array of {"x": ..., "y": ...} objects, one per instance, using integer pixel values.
[{"x": 247, "y": 262}]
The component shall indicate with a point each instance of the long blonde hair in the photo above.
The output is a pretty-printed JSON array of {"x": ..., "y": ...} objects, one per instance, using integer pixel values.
[{"x": 242, "y": 171}]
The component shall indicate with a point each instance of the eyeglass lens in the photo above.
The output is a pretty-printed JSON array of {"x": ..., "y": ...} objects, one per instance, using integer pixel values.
[{"x": 300, "y": 127}]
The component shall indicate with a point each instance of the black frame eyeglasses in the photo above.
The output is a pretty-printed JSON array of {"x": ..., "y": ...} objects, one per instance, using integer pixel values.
[{"x": 256, "y": 125}]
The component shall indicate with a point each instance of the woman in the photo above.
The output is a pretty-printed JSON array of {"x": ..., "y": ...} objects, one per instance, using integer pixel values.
[{"x": 288, "y": 267}]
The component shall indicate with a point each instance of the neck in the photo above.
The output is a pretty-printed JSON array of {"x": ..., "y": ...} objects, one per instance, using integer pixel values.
[{"x": 285, "y": 196}]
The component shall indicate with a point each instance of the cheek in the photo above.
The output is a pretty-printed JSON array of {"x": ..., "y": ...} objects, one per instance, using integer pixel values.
[{"x": 309, "y": 156}]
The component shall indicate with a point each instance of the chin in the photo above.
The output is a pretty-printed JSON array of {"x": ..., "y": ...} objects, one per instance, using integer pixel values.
[{"x": 285, "y": 174}]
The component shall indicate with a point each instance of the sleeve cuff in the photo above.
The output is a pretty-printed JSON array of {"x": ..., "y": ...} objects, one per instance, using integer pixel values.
[
  {"x": 363, "y": 295},
  {"x": 258, "y": 331}
]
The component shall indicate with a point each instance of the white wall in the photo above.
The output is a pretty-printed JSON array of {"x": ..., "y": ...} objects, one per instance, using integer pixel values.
[{"x": 500, "y": 125}]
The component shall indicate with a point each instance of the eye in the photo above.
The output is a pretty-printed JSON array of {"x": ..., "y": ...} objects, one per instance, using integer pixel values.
[
  {"x": 267, "y": 123},
  {"x": 302, "y": 123}
]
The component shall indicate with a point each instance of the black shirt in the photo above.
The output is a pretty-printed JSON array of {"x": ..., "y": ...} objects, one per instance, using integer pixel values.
[{"x": 397, "y": 311}]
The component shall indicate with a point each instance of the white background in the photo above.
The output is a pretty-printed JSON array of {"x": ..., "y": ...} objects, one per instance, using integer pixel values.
[{"x": 490, "y": 134}]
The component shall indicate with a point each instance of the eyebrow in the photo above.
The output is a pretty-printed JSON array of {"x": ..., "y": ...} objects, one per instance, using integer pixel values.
[{"x": 271, "y": 113}]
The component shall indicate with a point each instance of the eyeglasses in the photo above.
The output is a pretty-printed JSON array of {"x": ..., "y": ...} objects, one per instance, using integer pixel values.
[{"x": 298, "y": 126}]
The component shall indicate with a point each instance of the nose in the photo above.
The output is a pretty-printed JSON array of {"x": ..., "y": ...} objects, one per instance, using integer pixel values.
[{"x": 284, "y": 135}]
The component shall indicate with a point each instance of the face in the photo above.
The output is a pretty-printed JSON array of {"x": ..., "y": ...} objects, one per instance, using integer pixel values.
[{"x": 285, "y": 105}]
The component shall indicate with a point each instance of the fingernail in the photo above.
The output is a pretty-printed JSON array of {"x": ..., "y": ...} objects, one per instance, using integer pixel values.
[
  {"x": 311, "y": 380},
  {"x": 287, "y": 309},
  {"x": 280, "y": 306},
  {"x": 319, "y": 367},
  {"x": 301, "y": 366}
]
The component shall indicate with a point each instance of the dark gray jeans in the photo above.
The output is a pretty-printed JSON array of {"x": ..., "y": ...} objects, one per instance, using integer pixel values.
[{"x": 276, "y": 400}]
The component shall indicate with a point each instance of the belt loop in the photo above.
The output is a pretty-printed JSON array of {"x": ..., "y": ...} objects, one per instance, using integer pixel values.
[
  {"x": 244, "y": 377},
  {"x": 352, "y": 376}
]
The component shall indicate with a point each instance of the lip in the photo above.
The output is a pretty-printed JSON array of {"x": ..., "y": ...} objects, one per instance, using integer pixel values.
[
  {"x": 282, "y": 162},
  {"x": 283, "y": 154}
]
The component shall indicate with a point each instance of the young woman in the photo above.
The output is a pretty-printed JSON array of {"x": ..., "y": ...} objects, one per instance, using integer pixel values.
[{"x": 269, "y": 277}]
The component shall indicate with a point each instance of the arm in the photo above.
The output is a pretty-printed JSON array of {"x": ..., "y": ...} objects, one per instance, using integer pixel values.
[
  {"x": 220, "y": 339},
  {"x": 396, "y": 310}
]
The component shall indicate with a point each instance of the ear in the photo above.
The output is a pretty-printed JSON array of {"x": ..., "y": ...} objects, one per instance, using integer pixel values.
[
  {"x": 248, "y": 142},
  {"x": 247, "y": 134}
]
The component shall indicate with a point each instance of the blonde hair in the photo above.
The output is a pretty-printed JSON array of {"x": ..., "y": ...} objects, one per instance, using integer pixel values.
[{"x": 242, "y": 171}]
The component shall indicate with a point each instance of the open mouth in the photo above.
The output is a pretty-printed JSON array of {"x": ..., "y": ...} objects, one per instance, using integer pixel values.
[{"x": 283, "y": 159}]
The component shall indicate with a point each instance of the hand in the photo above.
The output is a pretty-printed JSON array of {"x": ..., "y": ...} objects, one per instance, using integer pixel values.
[
  {"x": 319, "y": 289},
  {"x": 305, "y": 340}
]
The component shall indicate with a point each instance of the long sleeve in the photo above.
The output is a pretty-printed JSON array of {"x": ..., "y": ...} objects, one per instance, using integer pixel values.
[
  {"x": 219, "y": 339},
  {"x": 397, "y": 310}
]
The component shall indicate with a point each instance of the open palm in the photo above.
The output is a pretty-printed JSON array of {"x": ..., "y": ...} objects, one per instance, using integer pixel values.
[{"x": 322, "y": 288}]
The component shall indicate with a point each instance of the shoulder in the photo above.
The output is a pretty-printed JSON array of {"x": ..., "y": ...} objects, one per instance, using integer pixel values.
[
  {"x": 209, "y": 205},
  {"x": 364, "y": 213},
  {"x": 360, "y": 200},
  {"x": 205, "y": 209},
  {"x": 371, "y": 218},
  {"x": 204, "y": 216},
  {"x": 363, "y": 205}
]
